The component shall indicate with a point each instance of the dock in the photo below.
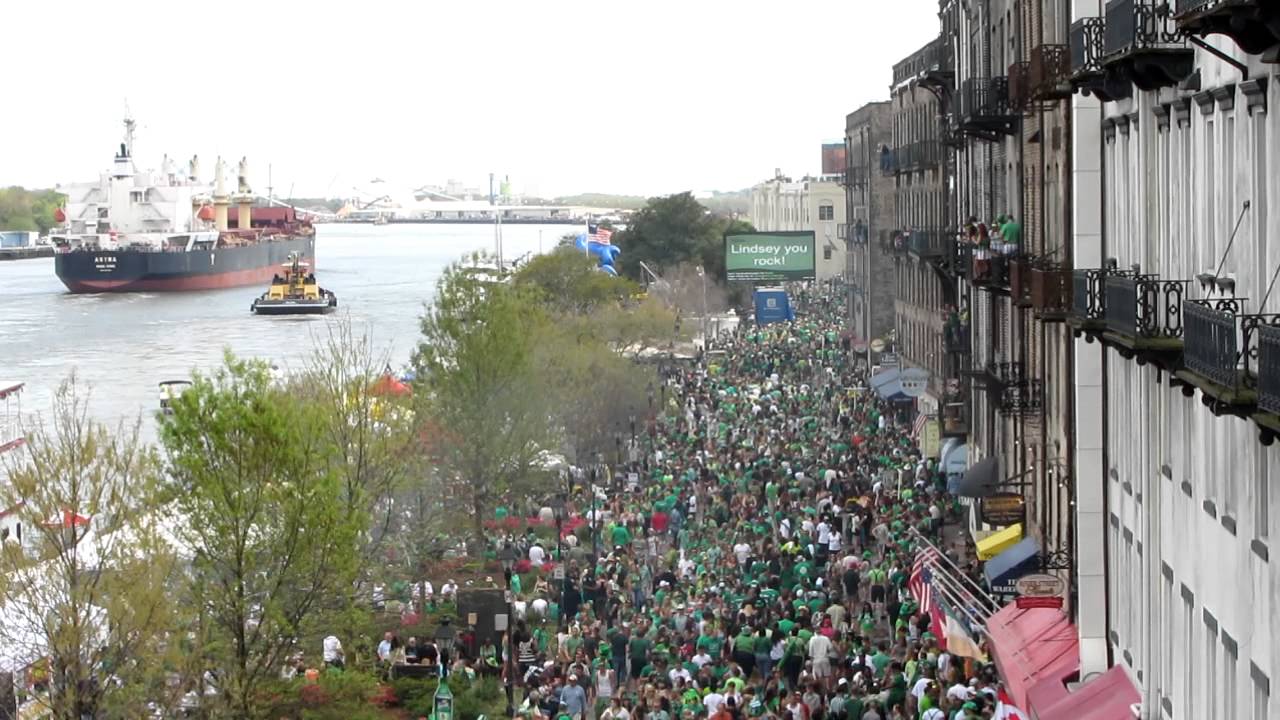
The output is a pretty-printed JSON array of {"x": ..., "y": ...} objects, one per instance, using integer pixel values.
[{"x": 25, "y": 253}]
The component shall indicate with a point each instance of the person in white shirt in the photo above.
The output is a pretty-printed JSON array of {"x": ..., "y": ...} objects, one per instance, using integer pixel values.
[
  {"x": 701, "y": 658},
  {"x": 712, "y": 702},
  {"x": 448, "y": 590},
  {"x": 824, "y": 533},
  {"x": 384, "y": 647},
  {"x": 819, "y": 654},
  {"x": 743, "y": 551},
  {"x": 917, "y": 690},
  {"x": 537, "y": 555},
  {"x": 678, "y": 672},
  {"x": 332, "y": 652}
]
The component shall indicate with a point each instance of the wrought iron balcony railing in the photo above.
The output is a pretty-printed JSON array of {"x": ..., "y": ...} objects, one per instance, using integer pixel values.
[
  {"x": 855, "y": 176},
  {"x": 1049, "y": 73},
  {"x": 1254, "y": 25},
  {"x": 1220, "y": 345},
  {"x": 929, "y": 243},
  {"x": 1050, "y": 292},
  {"x": 1020, "y": 280},
  {"x": 1144, "y": 306},
  {"x": 1019, "y": 87},
  {"x": 1088, "y": 302},
  {"x": 984, "y": 98},
  {"x": 955, "y": 335},
  {"x": 932, "y": 58},
  {"x": 955, "y": 416},
  {"x": 1134, "y": 25},
  {"x": 888, "y": 161},
  {"x": 1015, "y": 390},
  {"x": 990, "y": 269},
  {"x": 1269, "y": 369},
  {"x": 922, "y": 155},
  {"x": 1086, "y": 43}
]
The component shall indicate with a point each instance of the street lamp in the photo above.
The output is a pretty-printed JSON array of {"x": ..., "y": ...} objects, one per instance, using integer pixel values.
[
  {"x": 558, "y": 509},
  {"x": 444, "y": 637}
]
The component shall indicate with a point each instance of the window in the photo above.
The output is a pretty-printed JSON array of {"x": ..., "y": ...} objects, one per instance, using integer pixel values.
[
  {"x": 826, "y": 252},
  {"x": 826, "y": 212},
  {"x": 1261, "y": 494},
  {"x": 1261, "y": 698},
  {"x": 1229, "y": 684},
  {"x": 1188, "y": 652}
]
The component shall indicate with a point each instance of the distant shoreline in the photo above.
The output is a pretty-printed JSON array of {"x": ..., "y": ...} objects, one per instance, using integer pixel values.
[
  {"x": 463, "y": 221},
  {"x": 25, "y": 253}
]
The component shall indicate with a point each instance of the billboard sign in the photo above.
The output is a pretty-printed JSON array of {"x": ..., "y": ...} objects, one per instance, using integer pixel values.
[
  {"x": 833, "y": 158},
  {"x": 769, "y": 256}
]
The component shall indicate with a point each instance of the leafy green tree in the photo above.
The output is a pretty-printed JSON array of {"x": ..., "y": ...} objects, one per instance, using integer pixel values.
[
  {"x": 570, "y": 282},
  {"x": 85, "y": 585},
  {"x": 266, "y": 518},
  {"x": 22, "y": 209},
  {"x": 675, "y": 230},
  {"x": 479, "y": 388}
]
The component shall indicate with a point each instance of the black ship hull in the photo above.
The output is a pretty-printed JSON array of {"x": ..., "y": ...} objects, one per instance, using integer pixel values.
[{"x": 99, "y": 271}]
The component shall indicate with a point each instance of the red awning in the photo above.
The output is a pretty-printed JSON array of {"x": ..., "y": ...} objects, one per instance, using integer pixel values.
[
  {"x": 1031, "y": 645},
  {"x": 1108, "y": 696},
  {"x": 388, "y": 385}
]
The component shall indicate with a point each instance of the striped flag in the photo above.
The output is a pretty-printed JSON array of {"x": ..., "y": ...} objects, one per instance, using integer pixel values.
[
  {"x": 921, "y": 419},
  {"x": 599, "y": 234},
  {"x": 920, "y": 583}
]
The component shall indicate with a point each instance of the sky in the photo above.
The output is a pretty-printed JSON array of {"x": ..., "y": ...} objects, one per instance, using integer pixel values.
[{"x": 562, "y": 96}]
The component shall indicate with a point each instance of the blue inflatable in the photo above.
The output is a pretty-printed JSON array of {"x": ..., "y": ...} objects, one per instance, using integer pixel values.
[{"x": 605, "y": 255}]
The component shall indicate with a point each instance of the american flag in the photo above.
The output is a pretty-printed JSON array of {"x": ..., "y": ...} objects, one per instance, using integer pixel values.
[
  {"x": 921, "y": 419},
  {"x": 599, "y": 234},
  {"x": 921, "y": 581}
]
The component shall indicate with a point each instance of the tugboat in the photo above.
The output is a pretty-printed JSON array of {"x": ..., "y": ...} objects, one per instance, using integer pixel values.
[
  {"x": 295, "y": 293},
  {"x": 170, "y": 391}
]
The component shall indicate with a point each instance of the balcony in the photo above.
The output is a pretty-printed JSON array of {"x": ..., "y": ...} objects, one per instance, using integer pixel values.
[
  {"x": 1143, "y": 315},
  {"x": 1050, "y": 293},
  {"x": 991, "y": 270},
  {"x": 955, "y": 416},
  {"x": 923, "y": 155},
  {"x": 1049, "y": 73},
  {"x": 1220, "y": 354},
  {"x": 929, "y": 243},
  {"x": 1141, "y": 44},
  {"x": 1014, "y": 391},
  {"x": 855, "y": 176},
  {"x": 894, "y": 243},
  {"x": 1086, "y": 67},
  {"x": 1268, "y": 415},
  {"x": 1020, "y": 87},
  {"x": 955, "y": 335},
  {"x": 930, "y": 65},
  {"x": 984, "y": 109},
  {"x": 1254, "y": 25},
  {"x": 1020, "y": 280},
  {"x": 1088, "y": 303},
  {"x": 888, "y": 162}
]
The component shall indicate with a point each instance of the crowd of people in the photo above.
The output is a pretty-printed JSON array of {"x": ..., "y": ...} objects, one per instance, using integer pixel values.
[{"x": 758, "y": 566}]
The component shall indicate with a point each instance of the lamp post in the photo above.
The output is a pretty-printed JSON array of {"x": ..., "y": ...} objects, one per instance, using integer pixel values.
[
  {"x": 557, "y": 507},
  {"x": 444, "y": 637}
]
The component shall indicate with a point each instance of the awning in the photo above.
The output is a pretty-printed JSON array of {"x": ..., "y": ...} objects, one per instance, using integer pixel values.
[
  {"x": 888, "y": 384},
  {"x": 1012, "y": 563},
  {"x": 980, "y": 480},
  {"x": 953, "y": 459},
  {"x": 999, "y": 541},
  {"x": 1105, "y": 697},
  {"x": 1031, "y": 645}
]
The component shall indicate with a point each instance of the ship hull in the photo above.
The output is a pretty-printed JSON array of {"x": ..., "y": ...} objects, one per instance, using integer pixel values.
[{"x": 123, "y": 271}]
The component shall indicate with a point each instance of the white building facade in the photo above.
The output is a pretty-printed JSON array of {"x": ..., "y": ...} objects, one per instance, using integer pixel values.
[
  {"x": 816, "y": 204},
  {"x": 1176, "y": 214}
]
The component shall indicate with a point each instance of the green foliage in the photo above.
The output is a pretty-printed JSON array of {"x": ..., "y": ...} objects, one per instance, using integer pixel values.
[
  {"x": 470, "y": 699},
  {"x": 22, "y": 209},
  {"x": 569, "y": 282},
  {"x": 266, "y": 520},
  {"x": 81, "y": 603},
  {"x": 478, "y": 380},
  {"x": 674, "y": 230}
]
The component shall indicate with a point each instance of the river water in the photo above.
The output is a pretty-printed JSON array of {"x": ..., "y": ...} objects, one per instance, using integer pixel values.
[{"x": 123, "y": 345}]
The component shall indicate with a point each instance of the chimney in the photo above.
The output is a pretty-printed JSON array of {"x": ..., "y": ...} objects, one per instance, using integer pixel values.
[{"x": 244, "y": 218}]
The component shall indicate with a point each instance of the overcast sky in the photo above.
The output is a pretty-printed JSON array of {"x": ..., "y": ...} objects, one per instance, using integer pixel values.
[{"x": 564, "y": 96}]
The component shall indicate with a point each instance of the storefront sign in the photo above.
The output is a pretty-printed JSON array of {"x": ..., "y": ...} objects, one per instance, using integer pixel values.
[
  {"x": 1026, "y": 602},
  {"x": 931, "y": 444},
  {"x": 1040, "y": 585},
  {"x": 914, "y": 381},
  {"x": 1003, "y": 509}
]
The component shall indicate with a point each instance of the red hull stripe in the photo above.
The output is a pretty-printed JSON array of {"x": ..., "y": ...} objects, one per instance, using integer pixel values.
[{"x": 209, "y": 281}]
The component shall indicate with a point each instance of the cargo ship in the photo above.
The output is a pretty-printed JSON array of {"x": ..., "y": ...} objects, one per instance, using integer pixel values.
[{"x": 167, "y": 231}]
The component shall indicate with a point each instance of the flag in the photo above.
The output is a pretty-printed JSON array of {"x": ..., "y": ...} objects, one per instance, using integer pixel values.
[
  {"x": 959, "y": 642},
  {"x": 599, "y": 234},
  {"x": 920, "y": 583},
  {"x": 1006, "y": 710},
  {"x": 921, "y": 419}
]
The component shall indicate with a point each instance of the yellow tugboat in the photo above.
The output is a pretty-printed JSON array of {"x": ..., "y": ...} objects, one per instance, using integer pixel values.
[{"x": 295, "y": 293}]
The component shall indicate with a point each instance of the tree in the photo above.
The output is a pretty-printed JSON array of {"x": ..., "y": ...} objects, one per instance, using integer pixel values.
[
  {"x": 83, "y": 589},
  {"x": 570, "y": 282},
  {"x": 479, "y": 385},
  {"x": 22, "y": 209},
  {"x": 673, "y": 231},
  {"x": 265, "y": 515}
]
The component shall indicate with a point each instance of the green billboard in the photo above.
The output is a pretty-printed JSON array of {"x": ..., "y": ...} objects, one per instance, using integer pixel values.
[{"x": 769, "y": 256}]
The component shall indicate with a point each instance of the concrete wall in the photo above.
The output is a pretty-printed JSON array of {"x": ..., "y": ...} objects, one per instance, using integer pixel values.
[
  {"x": 1192, "y": 593},
  {"x": 871, "y": 211}
]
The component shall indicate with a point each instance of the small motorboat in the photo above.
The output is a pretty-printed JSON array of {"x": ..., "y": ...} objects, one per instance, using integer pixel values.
[
  {"x": 295, "y": 292},
  {"x": 171, "y": 390}
]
